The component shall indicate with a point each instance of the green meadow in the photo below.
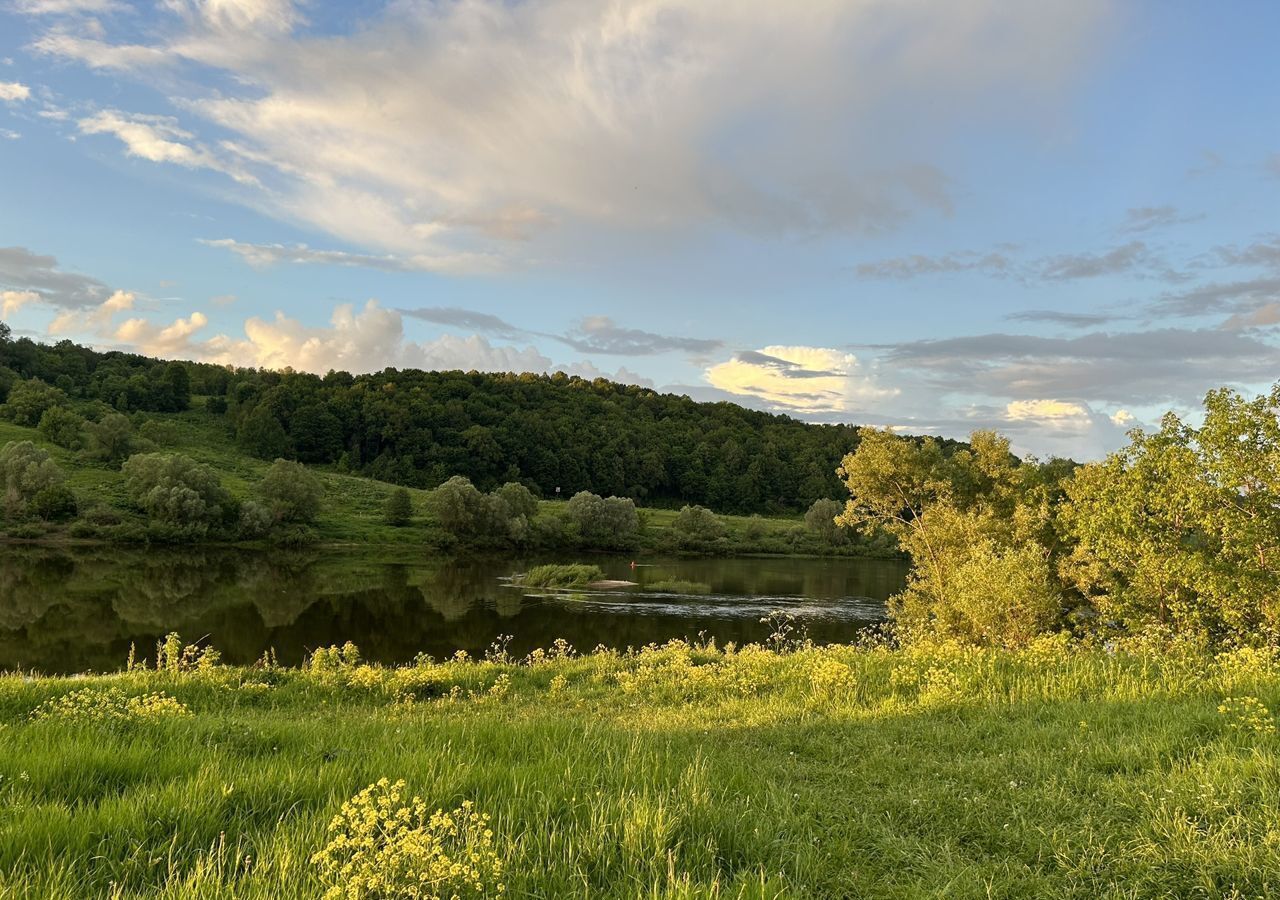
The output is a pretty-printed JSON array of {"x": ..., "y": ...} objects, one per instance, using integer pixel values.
[{"x": 1146, "y": 770}]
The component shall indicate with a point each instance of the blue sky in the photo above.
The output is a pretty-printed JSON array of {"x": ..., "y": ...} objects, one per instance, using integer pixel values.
[{"x": 1054, "y": 219}]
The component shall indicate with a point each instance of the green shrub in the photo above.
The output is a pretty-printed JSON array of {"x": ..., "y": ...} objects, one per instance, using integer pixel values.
[
  {"x": 62, "y": 427},
  {"x": 159, "y": 432},
  {"x": 502, "y": 517},
  {"x": 602, "y": 523},
  {"x": 100, "y": 514},
  {"x": 821, "y": 520},
  {"x": 697, "y": 528},
  {"x": 255, "y": 519},
  {"x": 398, "y": 510},
  {"x": 110, "y": 438},
  {"x": 55, "y": 503},
  {"x": 25, "y": 471},
  {"x": 519, "y": 499},
  {"x": 292, "y": 492},
  {"x": 176, "y": 490},
  {"x": 29, "y": 400}
]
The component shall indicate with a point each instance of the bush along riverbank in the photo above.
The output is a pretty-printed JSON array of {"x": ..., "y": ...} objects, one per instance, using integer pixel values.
[{"x": 1146, "y": 769}]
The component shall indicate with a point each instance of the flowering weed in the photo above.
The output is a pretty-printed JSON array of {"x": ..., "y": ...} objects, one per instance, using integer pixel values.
[
  {"x": 109, "y": 706},
  {"x": 383, "y": 846}
]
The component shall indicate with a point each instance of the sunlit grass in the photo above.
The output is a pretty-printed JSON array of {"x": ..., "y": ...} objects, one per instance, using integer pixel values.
[{"x": 681, "y": 771}]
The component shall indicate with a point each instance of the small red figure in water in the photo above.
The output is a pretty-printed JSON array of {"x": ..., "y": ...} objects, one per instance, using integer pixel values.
[{"x": 633, "y": 563}]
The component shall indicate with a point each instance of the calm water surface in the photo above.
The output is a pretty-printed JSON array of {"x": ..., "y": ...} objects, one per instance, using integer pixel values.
[{"x": 79, "y": 610}]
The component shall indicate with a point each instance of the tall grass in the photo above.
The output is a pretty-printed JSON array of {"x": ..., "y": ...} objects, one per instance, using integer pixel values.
[
  {"x": 679, "y": 771},
  {"x": 561, "y": 576}
]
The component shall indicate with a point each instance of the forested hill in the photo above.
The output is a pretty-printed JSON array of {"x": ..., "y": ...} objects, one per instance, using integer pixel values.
[{"x": 419, "y": 428}]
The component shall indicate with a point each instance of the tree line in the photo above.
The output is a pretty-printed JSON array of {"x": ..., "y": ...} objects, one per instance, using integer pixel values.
[{"x": 421, "y": 428}]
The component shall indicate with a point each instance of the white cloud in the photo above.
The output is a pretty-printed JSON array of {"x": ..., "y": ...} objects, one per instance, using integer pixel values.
[
  {"x": 14, "y": 91},
  {"x": 1050, "y": 411},
  {"x": 97, "y": 319},
  {"x": 799, "y": 379},
  {"x": 1122, "y": 418},
  {"x": 66, "y": 7},
  {"x": 12, "y": 301},
  {"x": 367, "y": 340},
  {"x": 159, "y": 139},
  {"x": 264, "y": 255},
  {"x": 98, "y": 54},
  {"x": 438, "y": 129},
  {"x": 166, "y": 341}
]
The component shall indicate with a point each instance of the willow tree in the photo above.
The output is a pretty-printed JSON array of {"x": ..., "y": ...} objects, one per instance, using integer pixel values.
[
  {"x": 1181, "y": 528},
  {"x": 977, "y": 524}
]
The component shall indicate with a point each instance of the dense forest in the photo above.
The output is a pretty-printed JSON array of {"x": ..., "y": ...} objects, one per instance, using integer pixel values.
[{"x": 421, "y": 428}]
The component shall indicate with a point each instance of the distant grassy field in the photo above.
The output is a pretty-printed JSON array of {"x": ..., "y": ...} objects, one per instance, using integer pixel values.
[
  {"x": 353, "y": 507},
  {"x": 679, "y": 772}
]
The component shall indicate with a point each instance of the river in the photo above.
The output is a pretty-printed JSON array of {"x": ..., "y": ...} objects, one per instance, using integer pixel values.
[{"x": 79, "y": 609}]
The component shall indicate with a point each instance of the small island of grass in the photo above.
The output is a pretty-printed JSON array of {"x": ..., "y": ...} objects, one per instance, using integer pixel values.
[{"x": 575, "y": 575}]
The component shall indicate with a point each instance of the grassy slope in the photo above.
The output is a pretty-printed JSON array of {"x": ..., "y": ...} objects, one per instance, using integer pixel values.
[
  {"x": 353, "y": 507},
  {"x": 676, "y": 773}
]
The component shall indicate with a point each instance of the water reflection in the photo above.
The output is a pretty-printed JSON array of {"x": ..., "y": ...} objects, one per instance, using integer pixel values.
[{"x": 68, "y": 610}]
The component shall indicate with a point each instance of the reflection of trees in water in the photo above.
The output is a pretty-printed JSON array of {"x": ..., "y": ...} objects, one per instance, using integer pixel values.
[
  {"x": 79, "y": 608},
  {"x": 508, "y": 603},
  {"x": 48, "y": 620},
  {"x": 384, "y": 621},
  {"x": 28, "y": 590},
  {"x": 155, "y": 591},
  {"x": 828, "y": 579},
  {"x": 455, "y": 588}
]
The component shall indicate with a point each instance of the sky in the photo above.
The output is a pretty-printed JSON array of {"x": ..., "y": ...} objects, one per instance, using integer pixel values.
[{"x": 1055, "y": 219}]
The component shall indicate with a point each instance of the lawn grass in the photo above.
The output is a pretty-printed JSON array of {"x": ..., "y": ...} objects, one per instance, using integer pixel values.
[{"x": 676, "y": 772}]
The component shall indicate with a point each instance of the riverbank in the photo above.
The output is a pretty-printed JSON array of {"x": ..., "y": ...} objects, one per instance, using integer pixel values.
[
  {"x": 675, "y": 772},
  {"x": 353, "y": 509}
]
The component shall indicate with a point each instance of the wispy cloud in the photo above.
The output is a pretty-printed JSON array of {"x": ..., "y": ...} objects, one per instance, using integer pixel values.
[
  {"x": 423, "y": 137},
  {"x": 1060, "y": 317},
  {"x": 1149, "y": 218},
  {"x": 1131, "y": 258},
  {"x": 160, "y": 139},
  {"x": 1263, "y": 252},
  {"x": 1165, "y": 365},
  {"x": 593, "y": 334},
  {"x": 263, "y": 255},
  {"x": 916, "y": 265},
  {"x": 1073, "y": 266},
  {"x": 456, "y": 317},
  {"x": 601, "y": 334},
  {"x": 1218, "y": 297},
  {"x": 66, "y": 7}
]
